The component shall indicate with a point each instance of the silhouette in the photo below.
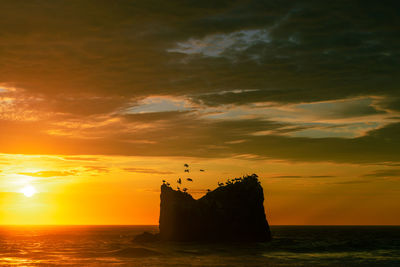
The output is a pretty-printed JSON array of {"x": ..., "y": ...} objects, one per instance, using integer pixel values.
[
  {"x": 163, "y": 181},
  {"x": 179, "y": 181},
  {"x": 190, "y": 179},
  {"x": 234, "y": 212},
  {"x": 186, "y": 165},
  {"x": 202, "y": 170},
  {"x": 186, "y": 170},
  {"x": 184, "y": 189},
  {"x": 167, "y": 184},
  {"x": 220, "y": 184},
  {"x": 228, "y": 182}
]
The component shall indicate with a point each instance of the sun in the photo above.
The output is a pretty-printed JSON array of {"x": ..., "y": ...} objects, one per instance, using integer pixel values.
[{"x": 28, "y": 191}]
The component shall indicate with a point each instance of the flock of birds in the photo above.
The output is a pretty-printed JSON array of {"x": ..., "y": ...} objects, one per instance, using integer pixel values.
[
  {"x": 179, "y": 181},
  {"x": 230, "y": 181},
  {"x": 187, "y": 170}
]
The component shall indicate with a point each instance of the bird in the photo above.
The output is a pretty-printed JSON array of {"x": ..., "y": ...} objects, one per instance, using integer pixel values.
[
  {"x": 179, "y": 181},
  {"x": 167, "y": 184},
  {"x": 220, "y": 184},
  {"x": 202, "y": 170},
  {"x": 184, "y": 189},
  {"x": 186, "y": 170},
  {"x": 208, "y": 190},
  {"x": 163, "y": 181},
  {"x": 186, "y": 165},
  {"x": 190, "y": 179},
  {"x": 178, "y": 188}
]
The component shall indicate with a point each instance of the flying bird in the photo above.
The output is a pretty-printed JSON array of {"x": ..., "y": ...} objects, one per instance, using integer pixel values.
[
  {"x": 190, "y": 179},
  {"x": 202, "y": 170},
  {"x": 179, "y": 181},
  {"x": 186, "y": 170},
  {"x": 186, "y": 165}
]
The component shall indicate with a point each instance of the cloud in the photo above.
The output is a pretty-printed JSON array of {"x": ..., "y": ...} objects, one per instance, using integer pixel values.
[
  {"x": 191, "y": 136},
  {"x": 157, "y": 104},
  {"x": 155, "y": 116},
  {"x": 145, "y": 170},
  {"x": 377, "y": 146},
  {"x": 353, "y": 182},
  {"x": 81, "y": 158},
  {"x": 305, "y": 176},
  {"x": 293, "y": 80},
  {"x": 216, "y": 44},
  {"x": 48, "y": 174},
  {"x": 346, "y": 118},
  {"x": 126, "y": 56},
  {"x": 386, "y": 173},
  {"x": 99, "y": 169}
]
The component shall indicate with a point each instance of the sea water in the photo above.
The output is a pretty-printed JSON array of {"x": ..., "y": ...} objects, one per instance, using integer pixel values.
[{"x": 113, "y": 246}]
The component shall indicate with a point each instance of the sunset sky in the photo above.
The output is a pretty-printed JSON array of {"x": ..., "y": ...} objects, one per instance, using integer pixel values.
[{"x": 101, "y": 100}]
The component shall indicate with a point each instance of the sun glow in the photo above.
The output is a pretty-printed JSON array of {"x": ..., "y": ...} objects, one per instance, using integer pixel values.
[{"x": 28, "y": 191}]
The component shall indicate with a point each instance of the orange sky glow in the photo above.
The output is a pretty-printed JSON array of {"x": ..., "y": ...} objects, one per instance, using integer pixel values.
[
  {"x": 100, "y": 103},
  {"x": 125, "y": 190}
]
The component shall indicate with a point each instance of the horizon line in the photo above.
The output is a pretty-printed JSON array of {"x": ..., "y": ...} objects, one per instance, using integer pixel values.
[{"x": 1, "y": 225}]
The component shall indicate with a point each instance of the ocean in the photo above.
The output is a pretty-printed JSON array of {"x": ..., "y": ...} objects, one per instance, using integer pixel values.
[{"x": 113, "y": 246}]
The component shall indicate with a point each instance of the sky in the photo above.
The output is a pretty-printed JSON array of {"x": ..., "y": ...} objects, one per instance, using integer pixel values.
[{"x": 102, "y": 100}]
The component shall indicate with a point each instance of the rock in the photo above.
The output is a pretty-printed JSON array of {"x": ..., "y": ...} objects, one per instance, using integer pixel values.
[
  {"x": 234, "y": 212},
  {"x": 146, "y": 237}
]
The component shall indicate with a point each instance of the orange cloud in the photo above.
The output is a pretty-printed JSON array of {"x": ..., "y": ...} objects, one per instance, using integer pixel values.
[{"x": 48, "y": 174}]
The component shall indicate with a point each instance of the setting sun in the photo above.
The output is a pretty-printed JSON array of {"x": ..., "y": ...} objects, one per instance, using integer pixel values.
[
  {"x": 28, "y": 191},
  {"x": 187, "y": 133}
]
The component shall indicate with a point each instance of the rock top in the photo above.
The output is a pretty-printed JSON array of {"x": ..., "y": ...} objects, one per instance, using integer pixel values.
[{"x": 232, "y": 212}]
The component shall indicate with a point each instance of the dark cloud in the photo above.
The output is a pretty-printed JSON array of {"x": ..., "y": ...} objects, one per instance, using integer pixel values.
[
  {"x": 318, "y": 50},
  {"x": 202, "y": 138},
  {"x": 388, "y": 173},
  {"x": 377, "y": 146},
  {"x": 71, "y": 71}
]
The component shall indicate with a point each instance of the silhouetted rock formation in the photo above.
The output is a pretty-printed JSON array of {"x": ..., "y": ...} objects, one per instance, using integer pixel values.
[{"x": 234, "y": 212}]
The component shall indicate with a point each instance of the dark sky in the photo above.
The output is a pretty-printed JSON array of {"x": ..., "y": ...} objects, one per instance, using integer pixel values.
[{"x": 294, "y": 80}]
